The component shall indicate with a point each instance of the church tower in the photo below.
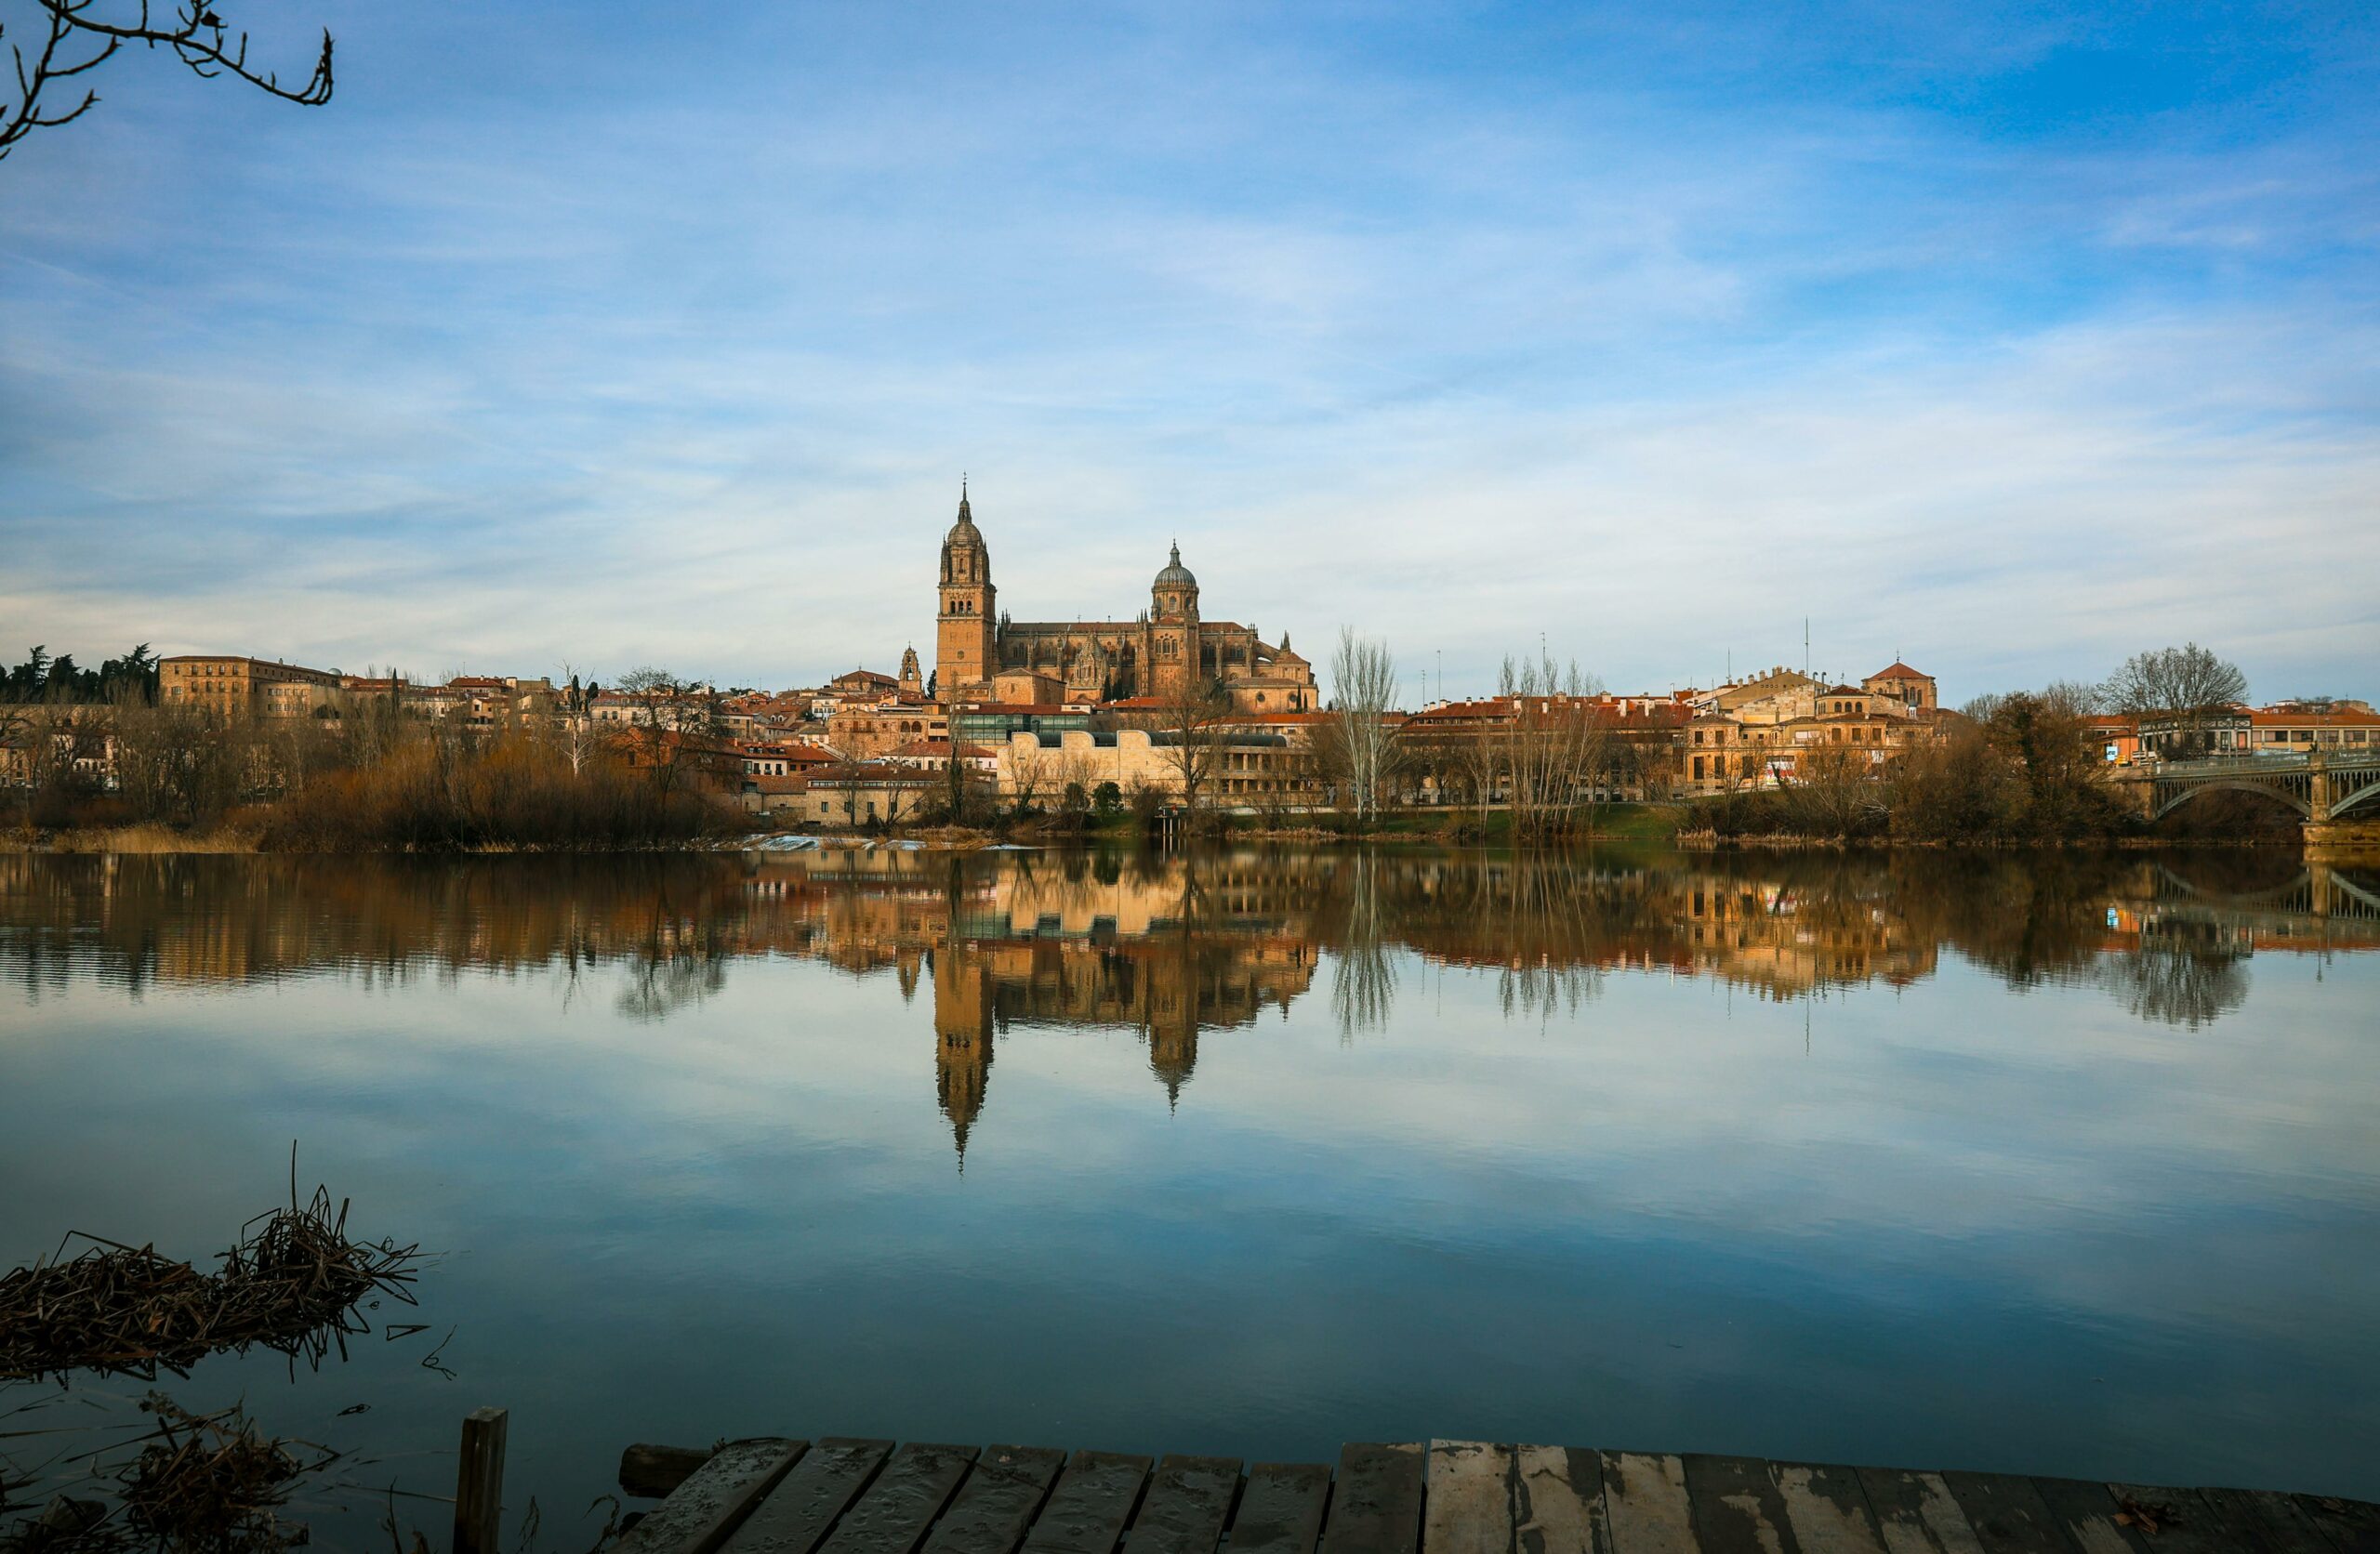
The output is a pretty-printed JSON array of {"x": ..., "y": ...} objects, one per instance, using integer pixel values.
[
  {"x": 962, "y": 1031},
  {"x": 963, "y": 657},
  {"x": 1173, "y": 628}
]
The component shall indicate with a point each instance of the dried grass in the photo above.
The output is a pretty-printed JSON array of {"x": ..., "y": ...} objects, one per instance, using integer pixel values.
[
  {"x": 211, "y": 1484},
  {"x": 198, "y": 1483},
  {"x": 291, "y": 1285},
  {"x": 145, "y": 839}
]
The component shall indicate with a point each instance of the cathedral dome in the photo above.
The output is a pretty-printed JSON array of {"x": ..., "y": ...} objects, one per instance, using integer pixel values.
[
  {"x": 1175, "y": 574},
  {"x": 964, "y": 531}
]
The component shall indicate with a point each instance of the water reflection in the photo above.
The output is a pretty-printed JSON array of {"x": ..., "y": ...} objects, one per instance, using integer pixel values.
[
  {"x": 2077, "y": 1176},
  {"x": 1167, "y": 945}
]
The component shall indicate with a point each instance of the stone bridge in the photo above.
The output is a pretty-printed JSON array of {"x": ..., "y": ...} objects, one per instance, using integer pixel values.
[{"x": 2324, "y": 786}]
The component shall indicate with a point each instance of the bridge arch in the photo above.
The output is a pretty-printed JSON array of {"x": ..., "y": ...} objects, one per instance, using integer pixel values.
[
  {"x": 2358, "y": 799},
  {"x": 2173, "y": 801}
]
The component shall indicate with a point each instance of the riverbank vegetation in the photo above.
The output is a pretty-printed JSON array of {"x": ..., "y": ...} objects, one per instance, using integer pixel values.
[
  {"x": 295, "y": 1282},
  {"x": 136, "y": 774},
  {"x": 2020, "y": 768}
]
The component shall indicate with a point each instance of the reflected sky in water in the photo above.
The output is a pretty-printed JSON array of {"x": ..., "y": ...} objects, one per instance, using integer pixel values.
[{"x": 2046, "y": 1163}]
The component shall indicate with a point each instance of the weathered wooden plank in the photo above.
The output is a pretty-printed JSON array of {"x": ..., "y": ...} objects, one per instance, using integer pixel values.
[
  {"x": 1375, "y": 1504},
  {"x": 799, "y": 1512},
  {"x": 1088, "y": 1508},
  {"x": 901, "y": 1501},
  {"x": 2086, "y": 1514},
  {"x": 2006, "y": 1513},
  {"x": 1828, "y": 1509},
  {"x": 2185, "y": 1525},
  {"x": 996, "y": 1503},
  {"x": 1280, "y": 1509},
  {"x": 1557, "y": 1502},
  {"x": 650, "y": 1472},
  {"x": 1467, "y": 1498},
  {"x": 1737, "y": 1506},
  {"x": 2353, "y": 1526},
  {"x": 1916, "y": 1513},
  {"x": 1377, "y": 1507},
  {"x": 1644, "y": 1505},
  {"x": 701, "y": 1512},
  {"x": 2265, "y": 1522},
  {"x": 1188, "y": 1503}
]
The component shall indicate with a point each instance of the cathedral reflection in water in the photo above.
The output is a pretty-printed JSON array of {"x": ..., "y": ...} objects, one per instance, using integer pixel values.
[{"x": 1166, "y": 945}]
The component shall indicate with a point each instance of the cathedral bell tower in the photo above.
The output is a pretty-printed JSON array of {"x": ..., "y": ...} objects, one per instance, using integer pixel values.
[
  {"x": 1173, "y": 632},
  {"x": 963, "y": 632}
]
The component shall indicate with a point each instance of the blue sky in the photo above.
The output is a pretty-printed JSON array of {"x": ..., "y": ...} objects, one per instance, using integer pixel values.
[{"x": 2006, "y": 338}]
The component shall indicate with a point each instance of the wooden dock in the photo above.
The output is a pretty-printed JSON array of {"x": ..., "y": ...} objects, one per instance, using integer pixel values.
[{"x": 852, "y": 1496}]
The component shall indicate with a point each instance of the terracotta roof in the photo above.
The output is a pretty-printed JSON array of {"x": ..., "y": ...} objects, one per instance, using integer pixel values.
[
  {"x": 790, "y": 750},
  {"x": 1640, "y": 711},
  {"x": 2337, "y": 717},
  {"x": 939, "y": 749},
  {"x": 1899, "y": 670}
]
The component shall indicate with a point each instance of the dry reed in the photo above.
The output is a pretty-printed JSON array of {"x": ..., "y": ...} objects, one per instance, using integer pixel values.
[{"x": 291, "y": 1285}]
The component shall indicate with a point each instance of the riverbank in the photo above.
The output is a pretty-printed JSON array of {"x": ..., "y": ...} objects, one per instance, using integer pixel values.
[
  {"x": 1686, "y": 826},
  {"x": 130, "y": 839}
]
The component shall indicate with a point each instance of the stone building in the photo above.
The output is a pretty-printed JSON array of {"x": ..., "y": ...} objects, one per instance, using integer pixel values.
[
  {"x": 1165, "y": 650},
  {"x": 1911, "y": 688},
  {"x": 1759, "y": 733},
  {"x": 233, "y": 685}
]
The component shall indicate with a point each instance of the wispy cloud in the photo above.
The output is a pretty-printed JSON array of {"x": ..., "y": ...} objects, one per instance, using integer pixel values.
[{"x": 1459, "y": 325}]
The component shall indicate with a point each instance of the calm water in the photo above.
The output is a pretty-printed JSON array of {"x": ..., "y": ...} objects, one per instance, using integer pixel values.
[{"x": 2046, "y": 1165}]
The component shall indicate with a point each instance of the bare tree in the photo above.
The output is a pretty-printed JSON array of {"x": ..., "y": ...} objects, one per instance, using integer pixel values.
[
  {"x": 178, "y": 764},
  {"x": 1834, "y": 792},
  {"x": 2186, "y": 687},
  {"x": 1032, "y": 771},
  {"x": 1363, "y": 687},
  {"x": 573, "y": 722},
  {"x": 1552, "y": 747},
  {"x": 1188, "y": 728},
  {"x": 73, "y": 37},
  {"x": 674, "y": 727},
  {"x": 960, "y": 790}
]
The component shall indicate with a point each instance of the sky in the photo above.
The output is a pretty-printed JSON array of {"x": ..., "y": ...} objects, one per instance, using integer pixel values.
[{"x": 2007, "y": 339}]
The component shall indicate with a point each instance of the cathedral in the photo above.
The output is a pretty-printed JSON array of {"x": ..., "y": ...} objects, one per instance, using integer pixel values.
[{"x": 980, "y": 655}]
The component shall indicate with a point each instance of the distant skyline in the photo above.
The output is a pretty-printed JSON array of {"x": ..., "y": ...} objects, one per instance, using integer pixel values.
[{"x": 2007, "y": 339}]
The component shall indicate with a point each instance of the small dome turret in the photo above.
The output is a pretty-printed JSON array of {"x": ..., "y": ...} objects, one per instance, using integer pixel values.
[
  {"x": 964, "y": 531},
  {"x": 1175, "y": 574},
  {"x": 965, "y": 557}
]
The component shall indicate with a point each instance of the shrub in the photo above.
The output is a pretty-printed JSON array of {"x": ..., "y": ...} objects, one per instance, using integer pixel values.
[{"x": 439, "y": 795}]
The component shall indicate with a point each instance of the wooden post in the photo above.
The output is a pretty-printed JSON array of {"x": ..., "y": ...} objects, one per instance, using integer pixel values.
[{"x": 478, "y": 1483}]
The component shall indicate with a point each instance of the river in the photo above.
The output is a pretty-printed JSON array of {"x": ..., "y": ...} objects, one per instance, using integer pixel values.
[{"x": 2046, "y": 1162}]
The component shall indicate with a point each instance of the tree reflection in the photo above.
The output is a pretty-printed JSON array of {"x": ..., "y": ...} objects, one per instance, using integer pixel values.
[
  {"x": 2178, "y": 985},
  {"x": 1362, "y": 973},
  {"x": 1167, "y": 945}
]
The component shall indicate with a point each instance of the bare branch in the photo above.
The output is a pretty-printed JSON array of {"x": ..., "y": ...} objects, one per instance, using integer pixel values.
[{"x": 196, "y": 35}]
